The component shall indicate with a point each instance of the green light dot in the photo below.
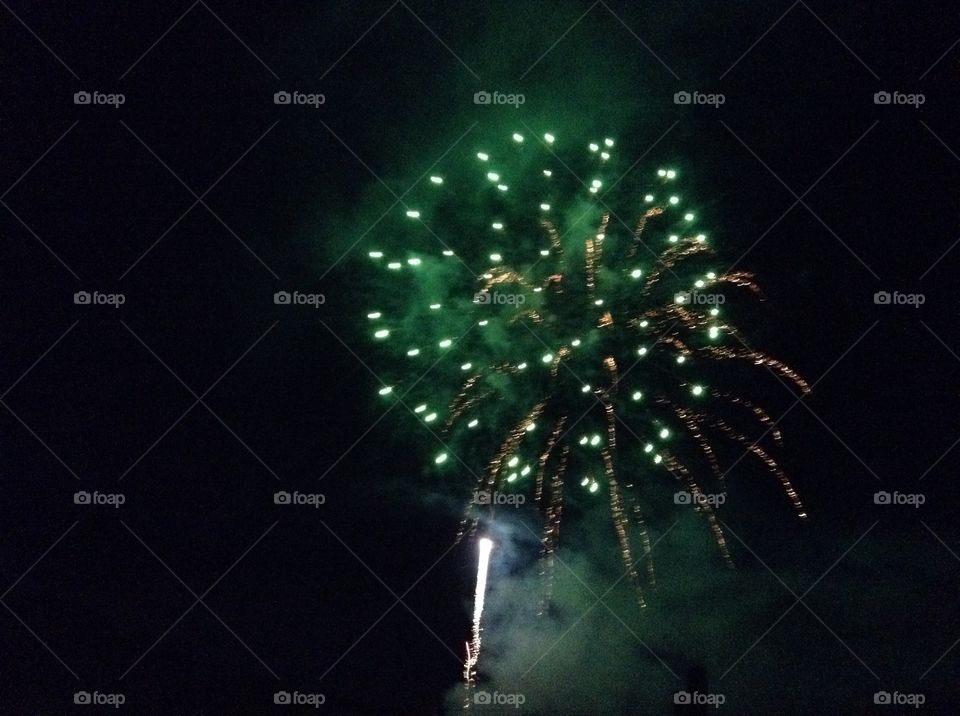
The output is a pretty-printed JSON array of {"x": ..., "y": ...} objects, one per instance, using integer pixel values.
[
  {"x": 473, "y": 423},
  {"x": 648, "y": 198},
  {"x": 544, "y": 252},
  {"x": 575, "y": 342},
  {"x": 483, "y": 156},
  {"x": 608, "y": 142},
  {"x": 466, "y": 366},
  {"x": 547, "y": 173},
  {"x": 664, "y": 433},
  {"x": 642, "y": 351},
  {"x": 496, "y": 257},
  {"x": 382, "y": 333},
  {"x": 697, "y": 390},
  {"x": 699, "y": 283},
  {"x": 671, "y": 174},
  {"x": 483, "y": 322},
  {"x": 517, "y": 137},
  {"x": 547, "y": 358},
  {"x": 701, "y": 238},
  {"x": 637, "y": 395},
  {"x": 511, "y": 477},
  {"x": 374, "y": 316},
  {"x": 420, "y": 408},
  {"x": 375, "y": 254},
  {"x": 713, "y": 332},
  {"x": 688, "y": 217},
  {"x": 436, "y": 180},
  {"x": 598, "y": 302},
  {"x": 585, "y": 389},
  {"x": 604, "y": 155},
  {"x": 584, "y": 482},
  {"x": 583, "y": 441},
  {"x": 513, "y": 462},
  {"x": 434, "y": 306},
  {"x": 386, "y": 390},
  {"x": 594, "y": 146},
  {"x": 502, "y": 187},
  {"x": 545, "y": 207},
  {"x": 497, "y": 225},
  {"x": 430, "y": 418},
  {"x": 493, "y": 176},
  {"x": 596, "y": 183},
  {"x": 648, "y": 447},
  {"x": 681, "y": 359},
  {"x": 414, "y": 261},
  {"x": 531, "y": 427},
  {"x": 595, "y": 440},
  {"x": 661, "y": 172},
  {"x": 413, "y": 352},
  {"x": 445, "y": 343},
  {"x": 714, "y": 311},
  {"x": 525, "y": 471},
  {"x": 644, "y": 323},
  {"x": 522, "y": 366},
  {"x": 441, "y": 458},
  {"x": 657, "y": 459},
  {"x": 674, "y": 200},
  {"x": 447, "y": 252},
  {"x": 394, "y": 265},
  {"x": 674, "y": 238},
  {"x": 636, "y": 273},
  {"x": 413, "y": 214},
  {"x": 594, "y": 487},
  {"x": 549, "y": 138}
]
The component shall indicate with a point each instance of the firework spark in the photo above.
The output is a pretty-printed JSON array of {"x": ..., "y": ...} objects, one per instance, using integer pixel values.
[
  {"x": 485, "y": 546},
  {"x": 561, "y": 341}
]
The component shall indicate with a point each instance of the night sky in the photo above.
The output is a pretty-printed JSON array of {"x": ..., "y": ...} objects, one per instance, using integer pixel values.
[{"x": 199, "y": 397}]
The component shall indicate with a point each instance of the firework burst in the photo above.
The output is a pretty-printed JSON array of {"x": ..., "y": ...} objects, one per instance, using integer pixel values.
[{"x": 554, "y": 350}]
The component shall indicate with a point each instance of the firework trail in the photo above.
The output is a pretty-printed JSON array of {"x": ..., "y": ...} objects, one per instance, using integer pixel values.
[
  {"x": 539, "y": 337},
  {"x": 485, "y": 546}
]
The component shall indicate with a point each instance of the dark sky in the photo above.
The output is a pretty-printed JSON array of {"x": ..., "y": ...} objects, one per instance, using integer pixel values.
[{"x": 198, "y": 398}]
